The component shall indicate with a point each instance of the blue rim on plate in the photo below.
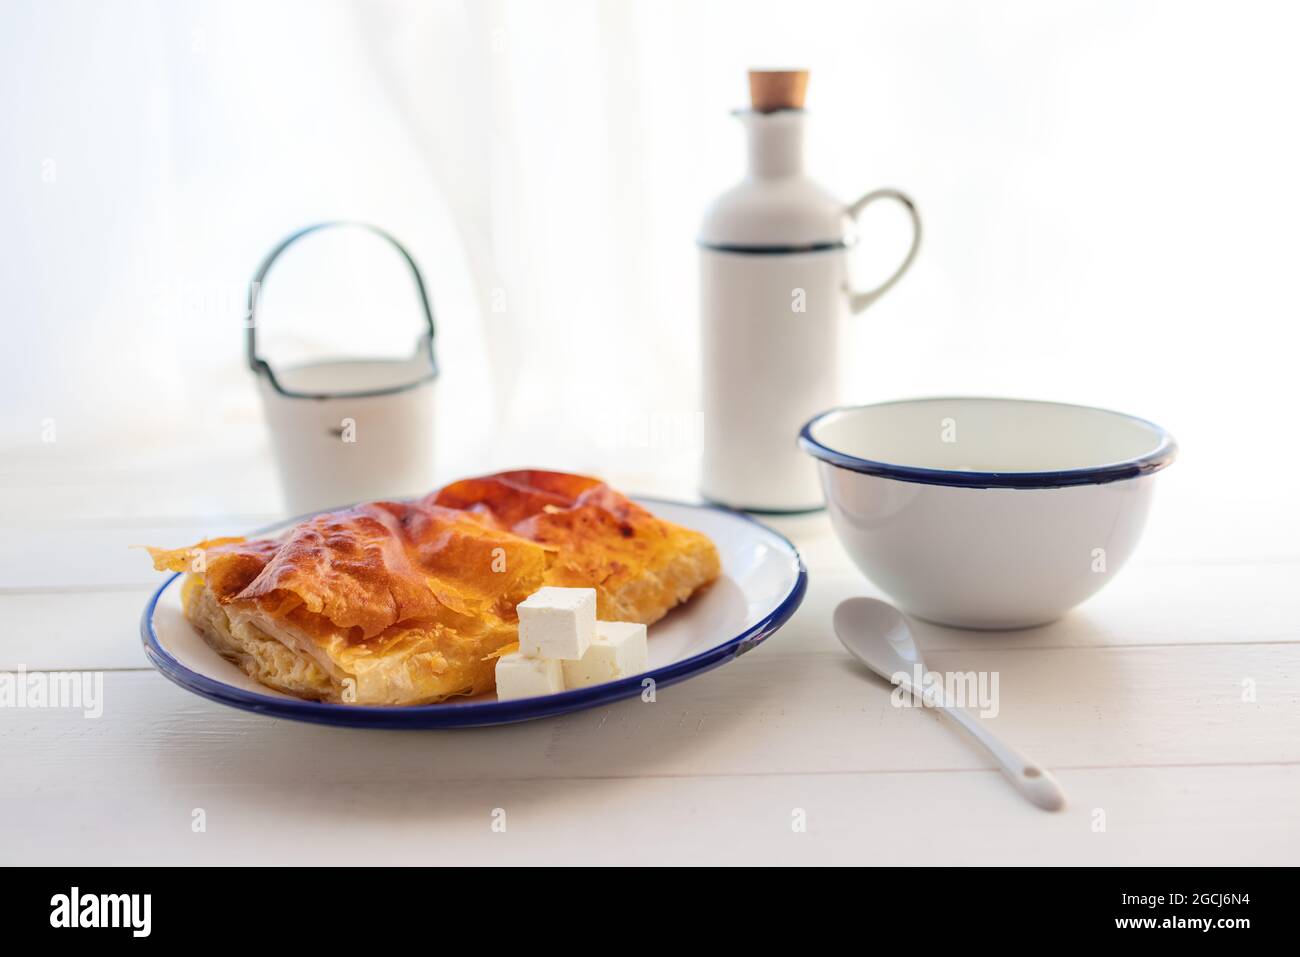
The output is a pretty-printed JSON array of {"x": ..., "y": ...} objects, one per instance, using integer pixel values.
[
  {"x": 475, "y": 713},
  {"x": 1163, "y": 454}
]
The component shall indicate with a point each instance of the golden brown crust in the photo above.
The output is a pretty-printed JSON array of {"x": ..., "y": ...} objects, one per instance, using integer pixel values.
[
  {"x": 404, "y": 603},
  {"x": 368, "y": 568},
  {"x": 640, "y": 565}
]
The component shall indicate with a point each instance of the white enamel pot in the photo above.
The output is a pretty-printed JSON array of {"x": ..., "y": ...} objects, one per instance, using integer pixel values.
[
  {"x": 347, "y": 430},
  {"x": 987, "y": 513}
]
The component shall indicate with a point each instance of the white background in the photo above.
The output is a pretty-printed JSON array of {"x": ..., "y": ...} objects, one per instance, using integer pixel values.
[{"x": 1109, "y": 192}]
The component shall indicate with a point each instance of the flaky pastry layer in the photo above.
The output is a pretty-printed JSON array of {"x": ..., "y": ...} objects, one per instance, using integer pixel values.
[{"x": 409, "y": 603}]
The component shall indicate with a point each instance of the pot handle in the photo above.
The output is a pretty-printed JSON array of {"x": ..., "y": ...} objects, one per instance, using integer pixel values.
[
  {"x": 860, "y": 300},
  {"x": 260, "y": 365}
]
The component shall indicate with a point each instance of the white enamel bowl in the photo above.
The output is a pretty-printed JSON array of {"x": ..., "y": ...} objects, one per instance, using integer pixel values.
[{"x": 987, "y": 513}]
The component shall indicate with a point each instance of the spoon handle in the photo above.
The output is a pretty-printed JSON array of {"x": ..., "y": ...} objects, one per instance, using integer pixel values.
[{"x": 1032, "y": 780}]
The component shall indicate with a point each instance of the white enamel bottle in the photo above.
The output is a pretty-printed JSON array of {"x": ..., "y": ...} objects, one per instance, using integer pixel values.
[{"x": 774, "y": 291}]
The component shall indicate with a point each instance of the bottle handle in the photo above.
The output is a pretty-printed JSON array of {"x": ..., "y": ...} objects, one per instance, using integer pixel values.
[{"x": 860, "y": 300}]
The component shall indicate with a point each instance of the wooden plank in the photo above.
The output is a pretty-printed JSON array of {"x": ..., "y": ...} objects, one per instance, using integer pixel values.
[
  {"x": 1170, "y": 816},
  {"x": 767, "y": 713},
  {"x": 73, "y": 630},
  {"x": 1145, "y": 605},
  {"x": 228, "y": 471},
  {"x": 94, "y": 558}
]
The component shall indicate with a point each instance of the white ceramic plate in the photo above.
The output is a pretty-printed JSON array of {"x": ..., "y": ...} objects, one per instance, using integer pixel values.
[{"x": 763, "y": 581}]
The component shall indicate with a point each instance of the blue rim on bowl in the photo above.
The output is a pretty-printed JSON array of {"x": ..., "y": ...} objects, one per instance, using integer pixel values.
[
  {"x": 474, "y": 713},
  {"x": 1164, "y": 453}
]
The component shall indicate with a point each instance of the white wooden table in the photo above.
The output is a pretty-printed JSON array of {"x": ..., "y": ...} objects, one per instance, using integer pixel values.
[{"x": 1168, "y": 706}]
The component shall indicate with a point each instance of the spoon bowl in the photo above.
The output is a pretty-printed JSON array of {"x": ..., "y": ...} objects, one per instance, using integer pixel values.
[{"x": 877, "y": 634}]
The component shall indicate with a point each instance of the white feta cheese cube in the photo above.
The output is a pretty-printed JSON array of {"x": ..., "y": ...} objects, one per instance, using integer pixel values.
[
  {"x": 557, "y": 622},
  {"x": 522, "y": 677},
  {"x": 618, "y": 650}
]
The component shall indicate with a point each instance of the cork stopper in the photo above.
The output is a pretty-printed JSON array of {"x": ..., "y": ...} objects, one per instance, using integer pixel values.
[{"x": 771, "y": 90}]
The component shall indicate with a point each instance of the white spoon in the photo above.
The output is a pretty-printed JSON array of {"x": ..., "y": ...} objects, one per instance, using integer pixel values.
[{"x": 877, "y": 635}]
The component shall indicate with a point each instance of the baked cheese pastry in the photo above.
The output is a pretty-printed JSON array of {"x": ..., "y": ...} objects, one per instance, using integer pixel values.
[{"x": 398, "y": 603}]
